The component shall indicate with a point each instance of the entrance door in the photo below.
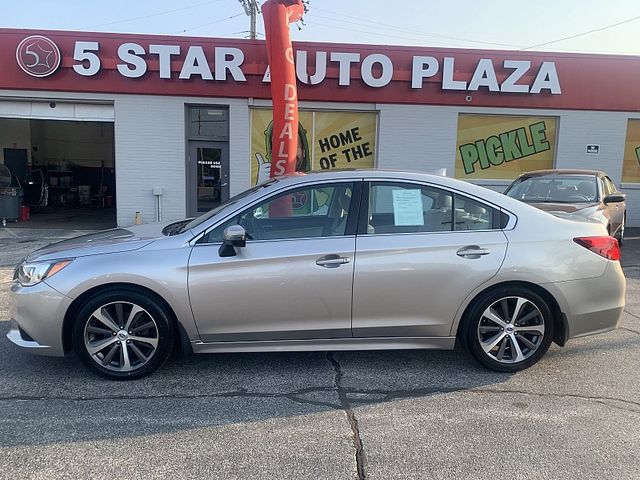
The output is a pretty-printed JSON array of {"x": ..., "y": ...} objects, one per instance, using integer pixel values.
[{"x": 209, "y": 166}]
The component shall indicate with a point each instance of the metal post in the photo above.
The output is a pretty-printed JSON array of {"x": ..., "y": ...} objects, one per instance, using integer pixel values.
[{"x": 254, "y": 15}]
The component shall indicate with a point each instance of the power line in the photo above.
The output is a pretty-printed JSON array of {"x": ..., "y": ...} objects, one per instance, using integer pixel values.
[
  {"x": 210, "y": 23},
  {"x": 584, "y": 33},
  {"x": 414, "y": 39},
  {"x": 408, "y": 30},
  {"x": 166, "y": 12},
  {"x": 234, "y": 33}
]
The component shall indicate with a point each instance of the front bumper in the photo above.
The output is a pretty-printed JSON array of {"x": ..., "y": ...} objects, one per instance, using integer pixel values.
[{"x": 36, "y": 314}]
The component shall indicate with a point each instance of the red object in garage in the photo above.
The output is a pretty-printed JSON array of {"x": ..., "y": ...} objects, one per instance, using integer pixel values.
[{"x": 24, "y": 213}]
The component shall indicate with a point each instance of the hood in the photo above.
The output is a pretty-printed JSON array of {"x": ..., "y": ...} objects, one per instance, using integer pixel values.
[{"x": 107, "y": 241}]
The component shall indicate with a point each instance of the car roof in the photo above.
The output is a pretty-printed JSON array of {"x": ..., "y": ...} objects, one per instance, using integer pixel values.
[
  {"x": 564, "y": 171},
  {"x": 438, "y": 181},
  {"x": 350, "y": 173}
]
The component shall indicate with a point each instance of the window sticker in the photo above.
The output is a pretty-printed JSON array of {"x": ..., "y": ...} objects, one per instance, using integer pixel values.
[{"x": 407, "y": 207}]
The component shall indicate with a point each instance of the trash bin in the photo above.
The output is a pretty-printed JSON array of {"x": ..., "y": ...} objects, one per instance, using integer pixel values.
[{"x": 10, "y": 201}]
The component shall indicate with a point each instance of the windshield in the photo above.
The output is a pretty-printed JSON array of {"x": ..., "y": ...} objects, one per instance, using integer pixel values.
[
  {"x": 555, "y": 189},
  {"x": 232, "y": 201}
]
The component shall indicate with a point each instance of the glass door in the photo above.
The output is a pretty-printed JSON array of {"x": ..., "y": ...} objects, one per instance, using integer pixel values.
[{"x": 209, "y": 162}]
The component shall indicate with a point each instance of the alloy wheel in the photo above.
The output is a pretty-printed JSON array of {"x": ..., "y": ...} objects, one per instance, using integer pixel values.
[
  {"x": 121, "y": 336},
  {"x": 511, "y": 329}
]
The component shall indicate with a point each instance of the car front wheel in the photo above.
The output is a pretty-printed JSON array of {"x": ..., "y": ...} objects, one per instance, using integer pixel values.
[
  {"x": 123, "y": 335},
  {"x": 509, "y": 329}
]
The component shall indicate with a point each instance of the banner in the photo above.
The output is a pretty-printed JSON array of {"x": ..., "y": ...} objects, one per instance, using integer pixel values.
[
  {"x": 503, "y": 147},
  {"x": 326, "y": 141},
  {"x": 631, "y": 161}
]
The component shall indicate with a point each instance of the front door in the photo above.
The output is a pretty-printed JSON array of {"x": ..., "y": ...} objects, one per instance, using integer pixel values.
[
  {"x": 292, "y": 280},
  {"x": 209, "y": 172}
]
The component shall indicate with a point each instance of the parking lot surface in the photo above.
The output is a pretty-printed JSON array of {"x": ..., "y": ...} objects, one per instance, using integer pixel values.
[{"x": 342, "y": 415}]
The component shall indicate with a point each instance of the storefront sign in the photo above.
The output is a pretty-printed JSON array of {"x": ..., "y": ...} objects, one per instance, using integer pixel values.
[
  {"x": 213, "y": 67},
  {"x": 375, "y": 70},
  {"x": 326, "y": 141},
  {"x": 502, "y": 147},
  {"x": 631, "y": 162},
  {"x": 38, "y": 56}
]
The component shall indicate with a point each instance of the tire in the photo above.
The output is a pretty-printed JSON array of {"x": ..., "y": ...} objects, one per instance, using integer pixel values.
[
  {"x": 500, "y": 344},
  {"x": 123, "y": 353}
]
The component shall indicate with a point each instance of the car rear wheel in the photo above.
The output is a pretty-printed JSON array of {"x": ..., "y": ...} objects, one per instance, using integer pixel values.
[
  {"x": 509, "y": 329},
  {"x": 123, "y": 335}
]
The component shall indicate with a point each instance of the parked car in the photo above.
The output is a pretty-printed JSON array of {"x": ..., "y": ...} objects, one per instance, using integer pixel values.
[
  {"x": 355, "y": 260},
  {"x": 588, "y": 193}
]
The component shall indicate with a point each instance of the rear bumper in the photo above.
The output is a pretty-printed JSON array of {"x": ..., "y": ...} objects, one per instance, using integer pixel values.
[
  {"x": 36, "y": 315},
  {"x": 592, "y": 305}
]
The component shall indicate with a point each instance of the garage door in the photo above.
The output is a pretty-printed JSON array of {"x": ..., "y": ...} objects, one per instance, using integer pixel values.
[{"x": 57, "y": 110}]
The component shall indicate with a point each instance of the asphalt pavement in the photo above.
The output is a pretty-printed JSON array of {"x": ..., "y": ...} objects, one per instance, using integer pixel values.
[{"x": 375, "y": 415}]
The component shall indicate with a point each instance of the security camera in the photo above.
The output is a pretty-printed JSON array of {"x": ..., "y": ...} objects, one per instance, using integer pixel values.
[
  {"x": 52, "y": 104},
  {"x": 468, "y": 98}
]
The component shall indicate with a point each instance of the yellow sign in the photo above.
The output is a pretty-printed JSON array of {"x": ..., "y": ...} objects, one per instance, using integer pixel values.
[
  {"x": 631, "y": 162},
  {"x": 327, "y": 141},
  {"x": 503, "y": 147}
]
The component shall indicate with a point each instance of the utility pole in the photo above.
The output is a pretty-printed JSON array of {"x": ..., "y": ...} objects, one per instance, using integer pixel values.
[{"x": 251, "y": 9}]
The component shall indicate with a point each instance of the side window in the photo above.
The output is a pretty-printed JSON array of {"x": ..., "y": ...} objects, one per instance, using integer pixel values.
[
  {"x": 472, "y": 215},
  {"x": 305, "y": 212},
  {"x": 407, "y": 208}
]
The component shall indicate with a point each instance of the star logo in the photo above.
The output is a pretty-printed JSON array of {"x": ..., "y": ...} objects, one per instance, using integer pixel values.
[{"x": 38, "y": 56}]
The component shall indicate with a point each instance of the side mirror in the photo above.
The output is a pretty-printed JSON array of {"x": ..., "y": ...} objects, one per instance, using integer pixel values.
[
  {"x": 614, "y": 198},
  {"x": 233, "y": 236}
]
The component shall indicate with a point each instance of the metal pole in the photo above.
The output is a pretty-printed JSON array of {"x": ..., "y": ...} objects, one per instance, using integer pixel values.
[{"x": 254, "y": 15}]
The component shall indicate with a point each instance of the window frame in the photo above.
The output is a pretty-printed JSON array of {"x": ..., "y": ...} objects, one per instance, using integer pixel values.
[{"x": 352, "y": 215}]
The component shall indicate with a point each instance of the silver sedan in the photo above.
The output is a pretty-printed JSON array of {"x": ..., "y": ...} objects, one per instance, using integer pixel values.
[{"x": 329, "y": 261}]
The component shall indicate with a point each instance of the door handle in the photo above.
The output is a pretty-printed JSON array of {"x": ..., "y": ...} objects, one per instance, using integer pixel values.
[
  {"x": 332, "y": 261},
  {"x": 472, "y": 251}
]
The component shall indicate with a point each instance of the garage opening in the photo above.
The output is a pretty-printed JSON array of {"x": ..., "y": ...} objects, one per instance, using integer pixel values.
[{"x": 64, "y": 171}]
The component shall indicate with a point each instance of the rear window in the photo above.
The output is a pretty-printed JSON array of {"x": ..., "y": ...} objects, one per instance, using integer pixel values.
[{"x": 555, "y": 189}]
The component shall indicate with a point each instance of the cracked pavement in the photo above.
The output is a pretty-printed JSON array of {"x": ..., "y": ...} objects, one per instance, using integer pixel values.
[{"x": 338, "y": 415}]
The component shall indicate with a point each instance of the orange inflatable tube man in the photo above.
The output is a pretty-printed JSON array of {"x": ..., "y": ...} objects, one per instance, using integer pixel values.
[{"x": 278, "y": 15}]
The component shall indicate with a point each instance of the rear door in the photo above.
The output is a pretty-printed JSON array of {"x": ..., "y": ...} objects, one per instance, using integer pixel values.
[{"x": 421, "y": 250}]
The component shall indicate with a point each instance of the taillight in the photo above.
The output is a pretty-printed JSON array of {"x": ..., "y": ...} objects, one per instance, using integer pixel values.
[{"x": 606, "y": 247}]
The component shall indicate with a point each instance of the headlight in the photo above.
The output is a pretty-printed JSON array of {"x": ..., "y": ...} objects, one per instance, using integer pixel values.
[{"x": 29, "y": 274}]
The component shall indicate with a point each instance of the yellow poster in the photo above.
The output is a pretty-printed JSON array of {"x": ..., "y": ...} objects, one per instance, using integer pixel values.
[
  {"x": 327, "y": 141},
  {"x": 503, "y": 147},
  {"x": 344, "y": 140},
  {"x": 631, "y": 162}
]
